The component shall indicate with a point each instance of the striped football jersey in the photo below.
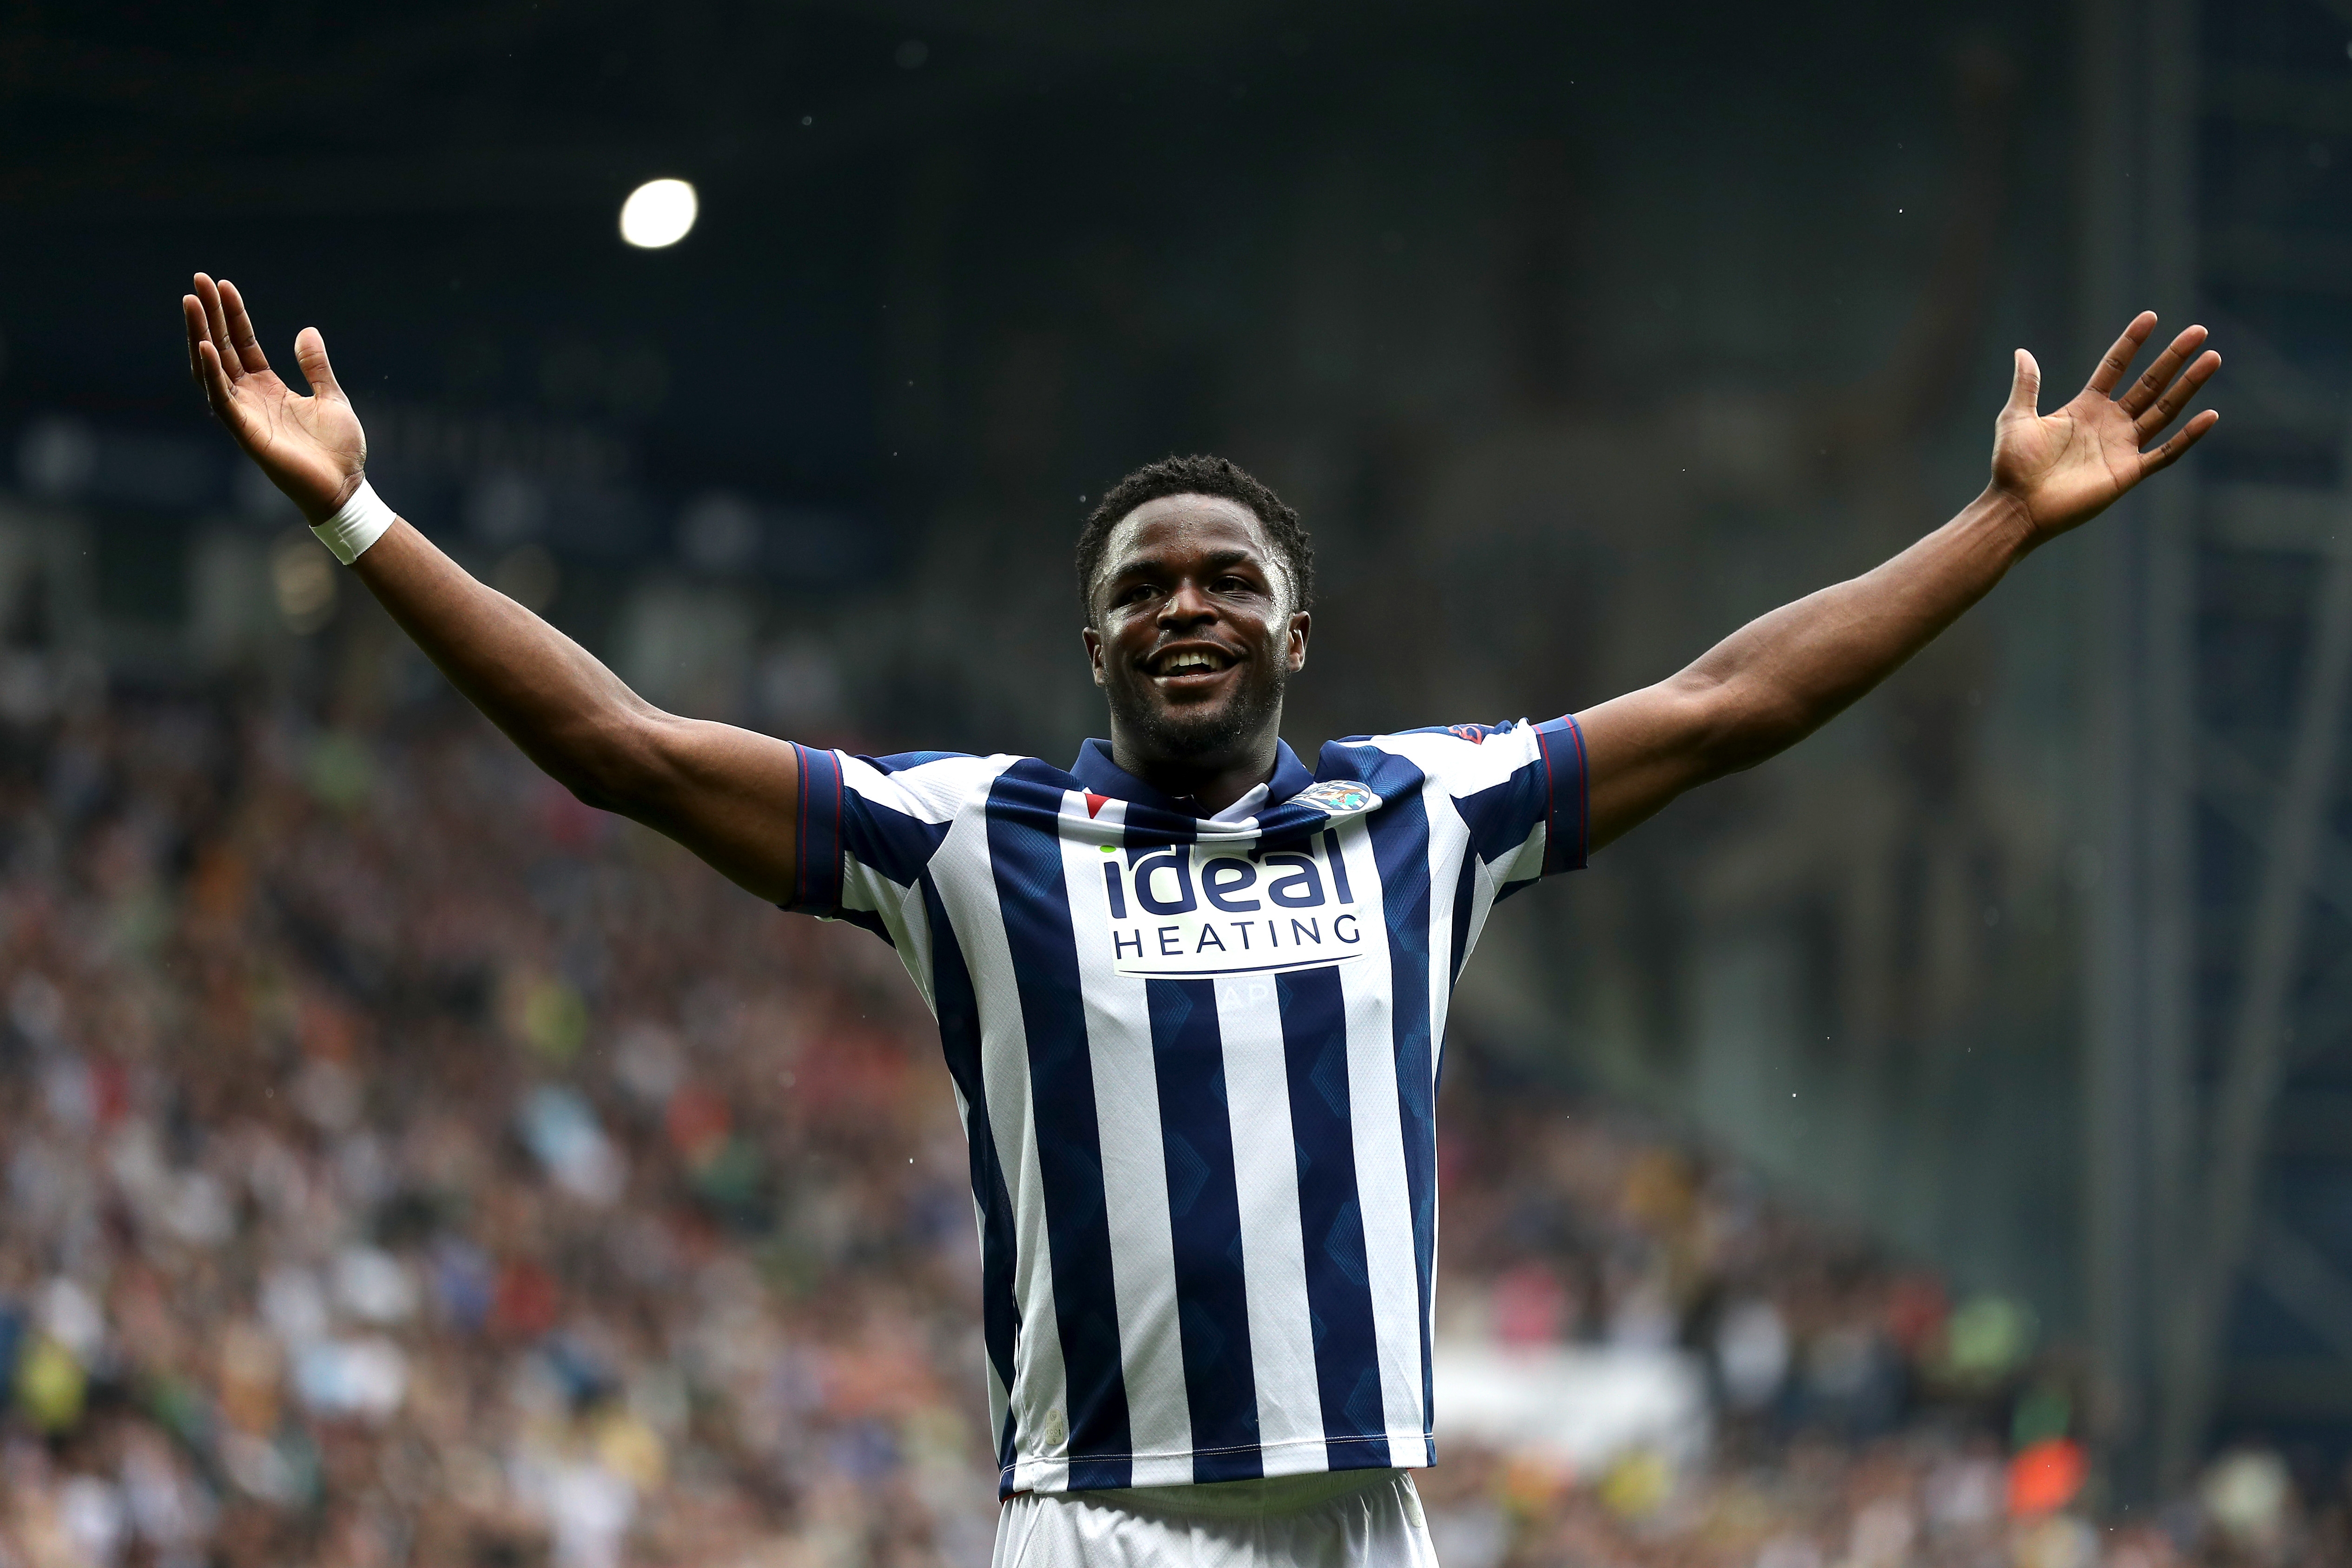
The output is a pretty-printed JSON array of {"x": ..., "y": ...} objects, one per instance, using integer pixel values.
[{"x": 1196, "y": 1059}]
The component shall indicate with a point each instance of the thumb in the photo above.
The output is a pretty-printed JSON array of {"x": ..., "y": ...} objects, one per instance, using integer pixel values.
[
  {"x": 310, "y": 353},
  {"x": 2024, "y": 388}
]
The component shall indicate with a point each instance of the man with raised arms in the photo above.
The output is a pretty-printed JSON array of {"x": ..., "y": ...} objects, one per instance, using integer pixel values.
[{"x": 1192, "y": 992}]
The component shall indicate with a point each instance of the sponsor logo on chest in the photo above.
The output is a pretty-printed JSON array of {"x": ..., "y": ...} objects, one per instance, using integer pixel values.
[{"x": 1186, "y": 911}]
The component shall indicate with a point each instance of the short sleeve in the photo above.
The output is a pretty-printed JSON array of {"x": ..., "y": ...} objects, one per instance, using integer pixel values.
[
  {"x": 868, "y": 829},
  {"x": 816, "y": 841},
  {"x": 1517, "y": 788},
  {"x": 1568, "y": 797},
  {"x": 1520, "y": 790}
]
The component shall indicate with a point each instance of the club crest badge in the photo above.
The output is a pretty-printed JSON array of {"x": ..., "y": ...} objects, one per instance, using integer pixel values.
[{"x": 1339, "y": 798}]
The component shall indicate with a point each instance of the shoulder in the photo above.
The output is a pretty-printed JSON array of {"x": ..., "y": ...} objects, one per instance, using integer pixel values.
[
  {"x": 1459, "y": 755},
  {"x": 932, "y": 784}
]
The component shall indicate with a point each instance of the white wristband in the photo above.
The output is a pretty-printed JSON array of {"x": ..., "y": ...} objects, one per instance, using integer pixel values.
[{"x": 361, "y": 523}]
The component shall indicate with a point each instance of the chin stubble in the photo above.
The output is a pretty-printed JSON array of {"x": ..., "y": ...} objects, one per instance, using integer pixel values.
[{"x": 1173, "y": 733}]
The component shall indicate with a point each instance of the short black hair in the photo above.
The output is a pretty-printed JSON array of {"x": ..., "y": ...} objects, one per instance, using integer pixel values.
[{"x": 1195, "y": 476}]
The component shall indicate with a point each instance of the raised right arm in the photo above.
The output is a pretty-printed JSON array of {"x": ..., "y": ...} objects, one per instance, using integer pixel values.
[
  {"x": 731, "y": 795},
  {"x": 1786, "y": 674}
]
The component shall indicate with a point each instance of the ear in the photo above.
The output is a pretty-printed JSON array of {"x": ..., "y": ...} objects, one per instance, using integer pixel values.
[
  {"x": 1094, "y": 651},
  {"x": 1300, "y": 624}
]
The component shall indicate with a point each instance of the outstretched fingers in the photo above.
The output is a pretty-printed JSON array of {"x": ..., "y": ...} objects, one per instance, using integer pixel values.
[
  {"x": 2143, "y": 392},
  {"x": 2167, "y": 408},
  {"x": 204, "y": 358},
  {"x": 241, "y": 337},
  {"x": 213, "y": 376},
  {"x": 192, "y": 311},
  {"x": 2127, "y": 348},
  {"x": 208, "y": 296},
  {"x": 2164, "y": 457}
]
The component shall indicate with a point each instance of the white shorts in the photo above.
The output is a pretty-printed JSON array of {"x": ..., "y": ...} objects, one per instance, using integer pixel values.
[{"x": 1354, "y": 1519}]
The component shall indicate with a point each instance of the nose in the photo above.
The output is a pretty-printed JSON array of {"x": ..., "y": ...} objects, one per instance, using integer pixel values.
[{"x": 1187, "y": 606}]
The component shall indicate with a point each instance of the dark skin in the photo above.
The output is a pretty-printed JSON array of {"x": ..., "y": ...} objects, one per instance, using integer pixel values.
[
  {"x": 1195, "y": 577},
  {"x": 1185, "y": 579}
]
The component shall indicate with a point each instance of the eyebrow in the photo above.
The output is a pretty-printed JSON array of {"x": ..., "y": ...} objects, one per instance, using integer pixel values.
[
  {"x": 1216, "y": 562},
  {"x": 1273, "y": 564}
]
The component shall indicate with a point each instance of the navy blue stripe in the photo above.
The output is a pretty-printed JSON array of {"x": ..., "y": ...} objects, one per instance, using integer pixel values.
[
  {"x": 1330, "y": 1218},
  {"x": 1400, "y": 849},
  {"x": 1465, "y": 888},
  {"x": 867, "y": 919},
  {"x": 1204, "y": 1222},
  {"x": 1101, "y": 1474},
  {"x": 1500, "y": 816},
  {"x": 960, "y": 1038},
  {"x": 1024, "y": 845},
  {"x": 900, "y": 762},
  {"x": 893, "y": 843},
  {"x": 1246, "y": 1465},
  {"x": 1568, "y": 834},
  {"x": 816, "y": 844}
]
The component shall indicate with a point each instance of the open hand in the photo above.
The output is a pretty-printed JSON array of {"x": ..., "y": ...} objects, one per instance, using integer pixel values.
[
  {"x": 2066, "y": 467},
  {"x": 312, "y": 447}
]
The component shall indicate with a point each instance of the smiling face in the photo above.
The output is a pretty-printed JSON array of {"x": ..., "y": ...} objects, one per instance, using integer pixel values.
[{"x": 1193, "y": 637}]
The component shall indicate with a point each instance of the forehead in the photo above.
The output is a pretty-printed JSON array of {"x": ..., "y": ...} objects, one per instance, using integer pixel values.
[{"x": 1173, "y": 527}]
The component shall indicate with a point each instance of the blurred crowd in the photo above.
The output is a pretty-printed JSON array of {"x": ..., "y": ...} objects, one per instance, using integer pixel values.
[{"x": 407, "y": 1165}]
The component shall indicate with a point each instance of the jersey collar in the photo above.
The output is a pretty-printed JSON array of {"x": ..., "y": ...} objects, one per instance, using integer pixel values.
[{"x": 1095, "y": 769}]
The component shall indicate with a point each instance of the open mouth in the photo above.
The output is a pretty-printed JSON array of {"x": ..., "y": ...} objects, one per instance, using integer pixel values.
[{"x": 1197, "y": 661}]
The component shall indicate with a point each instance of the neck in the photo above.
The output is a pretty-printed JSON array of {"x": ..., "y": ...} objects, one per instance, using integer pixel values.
[{"x": 1216, "y": 779}]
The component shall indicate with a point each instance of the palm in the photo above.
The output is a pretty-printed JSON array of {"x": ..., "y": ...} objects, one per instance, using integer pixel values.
[
  {"x": 306, "y": 439},
  {"x": 312, "y": 447},
  {"x": 2066, "y": 467}
]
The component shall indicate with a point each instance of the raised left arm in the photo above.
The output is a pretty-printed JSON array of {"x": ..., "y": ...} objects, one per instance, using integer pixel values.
[{"x": 1786, "y": 674}]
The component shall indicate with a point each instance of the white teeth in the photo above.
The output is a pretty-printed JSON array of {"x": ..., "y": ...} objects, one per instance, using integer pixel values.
[{"x": 1182, "y": 662}]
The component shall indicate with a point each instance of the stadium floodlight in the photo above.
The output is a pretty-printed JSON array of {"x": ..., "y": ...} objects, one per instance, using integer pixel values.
[{"x": 658, "y": 212}]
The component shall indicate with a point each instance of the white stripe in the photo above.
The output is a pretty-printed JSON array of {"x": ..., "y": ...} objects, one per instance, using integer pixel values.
[
  {"x": 911, "y": 931},
  {"x": 1040, "y": 1389},
  {"x": 1488, "y": 882},
  {"x": 1134, "y": 1166},
  {"x": 936, "y": 790},
  {"x": 999, "y": 1396},
  {"x": 1376, "y": 1124},
  {"x": 1449, "y": 844},
  {"x": 1456, "y": 766},
  {"x": 1273, "y": 1255},
  {"x": 1525, "y": 863}
]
